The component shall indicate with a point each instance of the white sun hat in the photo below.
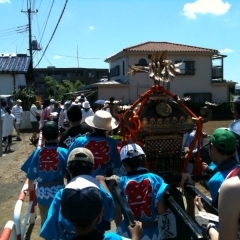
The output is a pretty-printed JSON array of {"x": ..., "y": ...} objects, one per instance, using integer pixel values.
[
  {"x": 102, "y": 120},
  {"x": 86, "y": 104}
]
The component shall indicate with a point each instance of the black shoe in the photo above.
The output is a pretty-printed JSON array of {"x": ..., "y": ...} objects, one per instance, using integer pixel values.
[
  {"x": 35, "y": 142},
  {"x": 10, "y": 150},
  {"x": 18, "y": 139},
  {"x": 6, "y": 148}
]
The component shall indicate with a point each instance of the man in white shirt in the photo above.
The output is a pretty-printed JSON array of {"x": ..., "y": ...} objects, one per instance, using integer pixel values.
[
  {"x": 34, "y": 121},
  {"x": 17, "y": 111},
  {"x": 3, "y": 111}
]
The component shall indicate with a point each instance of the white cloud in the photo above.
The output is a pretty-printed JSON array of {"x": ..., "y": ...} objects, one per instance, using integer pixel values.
[
  {"x": 5, "y": 1},
  {"x": 91, "y": 27},
  {"x": 226, "y": 50},
  {"x": 215, "y": 7},
  {"x": 57, "y": 57}
]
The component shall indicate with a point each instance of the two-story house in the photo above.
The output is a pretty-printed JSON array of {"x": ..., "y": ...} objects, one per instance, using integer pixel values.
[{"x": 201, "y": 75}]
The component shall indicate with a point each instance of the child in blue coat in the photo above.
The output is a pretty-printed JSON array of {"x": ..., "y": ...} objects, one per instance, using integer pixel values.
[
  {"x": 80, "y": 163},
  {"x": 82, "y": 205},
  {"x": 47, "y": 165},
  {"x": 144, "y": 192}
]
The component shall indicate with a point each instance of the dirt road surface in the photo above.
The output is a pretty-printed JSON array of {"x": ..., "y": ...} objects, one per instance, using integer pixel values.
[{"x": 12, "y": 178}]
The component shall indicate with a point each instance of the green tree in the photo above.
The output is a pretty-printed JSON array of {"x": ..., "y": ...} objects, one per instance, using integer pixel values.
[
  {"x": 54, "y": 88},
  {"x": 57, "y": 90},
  {"x": 68, "y": 85},
  {"x": 26, "y": 94},
  {"x": 78, "y": 84}
]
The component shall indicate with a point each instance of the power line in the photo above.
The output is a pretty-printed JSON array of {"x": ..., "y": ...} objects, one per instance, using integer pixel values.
[
  {"x": 40, "y": 5},
  {"x": 23, "y": 31},
  {"x": 22, "y": 41},
  {"x": 48, "y": 60},
  {"x": 46, "y": 21},
  {"x": 33, "y": 6},
  {"x": 11, "y": 43},
  {"x": 15, "y": 29},
  {"x": 8, "y": 38},
  {"x": 77, "y": 57},
  {"x": 22, "y": 3},
  {"x": 53, "y": 32},
  {"x": 45, "y": 13}
]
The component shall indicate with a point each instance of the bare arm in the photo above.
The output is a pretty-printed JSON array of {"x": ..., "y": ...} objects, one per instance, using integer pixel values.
[
  {"x": 229, "y": 209},
  {"x": 101, "y": 179},
  {"x": 162, "y": 206}
]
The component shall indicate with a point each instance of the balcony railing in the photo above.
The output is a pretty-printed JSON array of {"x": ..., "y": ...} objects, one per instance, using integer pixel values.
[{"x": 217, "y": 72}]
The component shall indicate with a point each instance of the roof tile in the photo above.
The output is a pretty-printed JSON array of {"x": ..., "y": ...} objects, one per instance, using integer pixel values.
[
  {"x": 14, "y": 64},
  {"x": 167, "y": 46}
]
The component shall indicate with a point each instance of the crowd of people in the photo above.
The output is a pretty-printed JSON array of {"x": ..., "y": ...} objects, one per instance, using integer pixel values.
[{"x": 77, "y": 147}]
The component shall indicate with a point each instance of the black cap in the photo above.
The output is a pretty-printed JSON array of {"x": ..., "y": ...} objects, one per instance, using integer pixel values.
[
  {"x": 50, "y": 130},
  {"x": 81, "y": 200}
]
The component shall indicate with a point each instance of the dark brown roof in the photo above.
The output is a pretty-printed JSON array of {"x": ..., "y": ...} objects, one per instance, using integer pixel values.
[
  {"x": 170, "y": 47},
  {"x": 165, "y": 46}
]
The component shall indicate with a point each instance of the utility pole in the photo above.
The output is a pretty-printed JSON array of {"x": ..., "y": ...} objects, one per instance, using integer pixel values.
[{"x": 29, "y": 12}]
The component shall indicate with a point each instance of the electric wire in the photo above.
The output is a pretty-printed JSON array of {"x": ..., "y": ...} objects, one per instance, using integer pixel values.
[
  {"x": 39, "y": 5},
  {"x": 77, "y": 57},
  {"x": 45, "y": 25},
  {"x": 8, "y": 38},
  {"x": 53, "y": 33},
  {"x": 26, "y": 30},
  {"x": 14, "y": 29},
  {"x": 46, "y": 22},
  {"x": 33, "y": 5},
  {"x": 48, "y": 60},
  {"x": 22, "y": 3},
  {"x": 22, "y": 42},
  {"x": 12, "y": 43},
  {"x": 40, "y": 30}
]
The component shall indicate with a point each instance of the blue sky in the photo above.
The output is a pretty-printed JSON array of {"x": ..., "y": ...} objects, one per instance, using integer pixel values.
[{"x": 101, "y": 28}]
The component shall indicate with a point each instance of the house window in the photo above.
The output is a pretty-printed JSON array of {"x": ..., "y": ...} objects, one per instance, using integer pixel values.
[
  {"x": 80, "y": 73},
  {"x": 114, "y": 71},
  {"x": 90, "y": 75},
  {"x": 123, "y": 67},
  {"x": 142, "y": 62},
  {"x": 187, "y": 67},
  {"x": 199, "y": 97}
]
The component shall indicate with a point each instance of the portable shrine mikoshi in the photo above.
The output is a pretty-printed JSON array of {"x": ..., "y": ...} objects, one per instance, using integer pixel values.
[{"x": 157, "y": 121}]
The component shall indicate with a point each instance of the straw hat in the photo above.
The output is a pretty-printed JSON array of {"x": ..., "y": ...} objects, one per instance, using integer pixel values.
[{"x": 102, "y": 120}]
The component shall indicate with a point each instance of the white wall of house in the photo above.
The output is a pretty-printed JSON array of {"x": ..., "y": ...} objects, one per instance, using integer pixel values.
[
  {"x": 20, "y": 80},
  {"x": 220, "y": 92},
  {"x": 200, "y": 82},
  {"x": 6, "y": 84},
  {"x": 113, "y": 90}
]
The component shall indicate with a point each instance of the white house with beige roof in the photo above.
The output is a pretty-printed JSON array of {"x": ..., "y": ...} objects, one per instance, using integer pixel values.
[{"x": 201, "y": 75}]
